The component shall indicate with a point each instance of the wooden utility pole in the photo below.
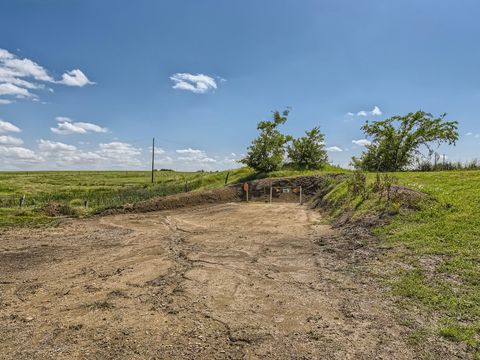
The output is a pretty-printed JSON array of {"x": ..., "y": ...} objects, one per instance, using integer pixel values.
[{"x": 153, "y": 157}]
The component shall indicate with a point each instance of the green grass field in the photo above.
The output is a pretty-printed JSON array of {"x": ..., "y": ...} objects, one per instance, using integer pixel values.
[
  {"x": 441, "y": 244},
  {"x": 432, "y": 262},
  {"x": 438, "y": 245},
  {"x": 102, "y": 189}
]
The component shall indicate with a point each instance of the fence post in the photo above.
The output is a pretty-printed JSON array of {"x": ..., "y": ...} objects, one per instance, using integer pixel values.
[
  {"x": 85, "y": 204},
  {"x": 301, "y": 200},
  {"x": 22, "y": 200},
  {"x": 271, "y": 191}
]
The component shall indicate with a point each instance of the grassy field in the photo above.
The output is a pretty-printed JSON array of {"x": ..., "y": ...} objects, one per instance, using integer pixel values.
[
  {"x": 102, "y": 189},
  {"x": 438, "y": 245},
  {"x": 432, "y": 262},
  {"x": 441, "y": 244}
]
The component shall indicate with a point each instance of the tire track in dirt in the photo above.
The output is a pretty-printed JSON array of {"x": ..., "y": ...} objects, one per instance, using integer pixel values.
[{"x": 254, "y": 281}]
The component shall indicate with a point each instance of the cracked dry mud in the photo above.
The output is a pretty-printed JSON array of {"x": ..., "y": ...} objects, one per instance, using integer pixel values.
[{"x": 252, "y": 281}]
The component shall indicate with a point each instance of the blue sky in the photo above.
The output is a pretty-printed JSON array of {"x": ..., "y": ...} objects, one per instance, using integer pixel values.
[{"x": 86, "y": 84}]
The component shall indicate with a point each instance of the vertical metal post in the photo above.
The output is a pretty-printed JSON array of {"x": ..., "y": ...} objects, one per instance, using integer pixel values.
[
  {"x": 153, "y": 157},
  {"x": 301, "y": 201},
  {"x": 248, "y": 189},
  {"x": 271, "y": 191}
]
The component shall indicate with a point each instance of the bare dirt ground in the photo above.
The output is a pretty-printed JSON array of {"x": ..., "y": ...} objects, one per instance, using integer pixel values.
[{"x": 253, "y": 281}]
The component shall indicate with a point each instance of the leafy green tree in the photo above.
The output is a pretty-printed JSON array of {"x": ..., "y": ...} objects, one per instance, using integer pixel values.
[
  {"x": 268, "y": 150},
  {"x": 397, "y": 141},
  {"x": 308, "y": 151}
]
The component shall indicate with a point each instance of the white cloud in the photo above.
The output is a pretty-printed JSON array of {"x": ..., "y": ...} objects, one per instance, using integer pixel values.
[
  {"x": 14, "y": 90},
  {"x": 374, "y": 112},
  {"x": 17, "y": 153},
  {"x": 10, "y": 140},
  {"x": 116, "y": 148},
  {"x": 26, "y": 68},
  {"x": 334, "y": 149},
  {"x": 361, "y": 142},
  {"x": 75, "y": 78},
  {"x": 106, "y": 156},
  {"x": 6, "y": 126},
  {"x": 4, "y": 54},
  {"x": 198, "y": 84},
  {"x": 164, "y": 160},
  {"x": 122, "y": 154},
  {"x": 469, "y": 134},
  {"x": 189, "y": 151},
  {"x": 68, "y": 126},
  {"x": 18, "y": 77},
  {"x": 48, "y": 146},
  {"x": 194, "y": 156}
]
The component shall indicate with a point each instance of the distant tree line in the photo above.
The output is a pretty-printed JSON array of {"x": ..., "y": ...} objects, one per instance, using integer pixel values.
[{"x": 396, "y": 143}]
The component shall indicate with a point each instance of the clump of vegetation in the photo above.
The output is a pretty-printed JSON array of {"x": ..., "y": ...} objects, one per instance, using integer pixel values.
[
  {"x": 308, "y": 152},
  {"x": 396, "y": 142},
  {"x": 438, "y": 165},
  {"x": 357, "y": 184},
  {"x": 267, "y": 151}
]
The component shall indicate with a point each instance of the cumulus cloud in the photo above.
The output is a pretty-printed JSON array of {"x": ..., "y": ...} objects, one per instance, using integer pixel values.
[
  {"x": 361, "y": 142},
  {"x": 14, "y": 90},
  {"x": 115, "y": 154},
  {"x": 124, "y": 154},
  {"x": 75, "y": 78},
  {"x": 363, "y": 113},
  {"x": 198, "y": 84},
  {"x": 61, "y": 155},
  {"x": 48, "y": 146},
  {"x": 334, "y": 149},
  {"x": 189, "y": 151},
  {"x": 17, "y": 155},
  {"x": 67, "y": 126},
  {"x": 376, "y": 111},
  {"x": 194, "y": 156},
  {"x": 19, "y": 77},
  {"x": 6, "y": 126},
  {"x": 10, "y": 140}
]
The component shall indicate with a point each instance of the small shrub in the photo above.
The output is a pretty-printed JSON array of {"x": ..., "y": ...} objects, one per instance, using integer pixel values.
[
  {"x": 76, "y": 202},
  {"x": 54, "y": 208},
  {"x": 357, "y": 184}
]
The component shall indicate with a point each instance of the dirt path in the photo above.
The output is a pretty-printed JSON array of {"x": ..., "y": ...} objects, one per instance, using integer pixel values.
[{"x": 250, "y": 281}]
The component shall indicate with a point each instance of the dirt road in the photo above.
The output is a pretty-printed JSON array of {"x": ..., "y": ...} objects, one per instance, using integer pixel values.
[{"x": 254, "y": 281}]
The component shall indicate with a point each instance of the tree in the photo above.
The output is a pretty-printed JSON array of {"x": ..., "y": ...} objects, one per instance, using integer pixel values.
[
  {"x": 267, "y": 151},
  {"x": 398, "y": 140},
  {"x": 309, "y": 151}
]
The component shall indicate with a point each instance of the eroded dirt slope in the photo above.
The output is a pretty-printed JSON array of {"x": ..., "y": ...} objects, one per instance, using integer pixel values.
[{"x": 252, "y": 281}]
